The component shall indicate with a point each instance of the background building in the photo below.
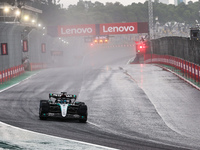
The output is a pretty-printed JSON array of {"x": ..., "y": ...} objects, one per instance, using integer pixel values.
[
  {"x": 177, "y": 2},
  {"x": 164, "y": 1}
]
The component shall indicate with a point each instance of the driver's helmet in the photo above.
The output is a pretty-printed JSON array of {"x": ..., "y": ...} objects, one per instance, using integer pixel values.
[{"x": 63, "y": 96}]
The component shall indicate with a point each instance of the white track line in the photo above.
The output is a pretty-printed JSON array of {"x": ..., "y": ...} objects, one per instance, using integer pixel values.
[
  {"x": 94, "y": 124},
  {"x": 70, "y": 140},
  {"x": 129, "y": 61}
]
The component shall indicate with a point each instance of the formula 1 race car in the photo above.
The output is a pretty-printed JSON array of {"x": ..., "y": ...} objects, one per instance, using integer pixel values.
[{"x": 64, "y": 106}]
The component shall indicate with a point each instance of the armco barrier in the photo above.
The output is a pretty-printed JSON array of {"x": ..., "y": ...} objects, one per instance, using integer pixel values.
[{"x": 192, "y": 70}]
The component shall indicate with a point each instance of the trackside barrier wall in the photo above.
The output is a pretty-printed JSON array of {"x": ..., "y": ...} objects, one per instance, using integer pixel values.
[
  {"x": 180, "y": 47},
  {"x": 10, "y": 34},
  {"x": 10, "y": 73},
  {"x": 13, "y": 35},
  {"x": 191, "y": 69},
  {"x": 37, "y": 66}
]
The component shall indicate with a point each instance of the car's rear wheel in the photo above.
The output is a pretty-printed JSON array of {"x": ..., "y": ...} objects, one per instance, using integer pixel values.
[{"x": 44, "y": 109}]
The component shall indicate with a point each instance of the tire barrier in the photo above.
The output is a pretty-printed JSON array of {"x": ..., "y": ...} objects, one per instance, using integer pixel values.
[
  {"x": 190, "y": 69},
  {"x": 10, "y": 73}
]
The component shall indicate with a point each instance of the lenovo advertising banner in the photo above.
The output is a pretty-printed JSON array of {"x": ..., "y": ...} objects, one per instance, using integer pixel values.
[
  {"x": 77, "y": 30},
  {"x": 124, "y": 28},
  {"x": 118, "y": 28},
  {"x": 100, "y": 29}
]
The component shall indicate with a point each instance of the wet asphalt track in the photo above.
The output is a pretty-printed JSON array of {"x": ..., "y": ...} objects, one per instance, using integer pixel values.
[{"x": 123, "y": 101}]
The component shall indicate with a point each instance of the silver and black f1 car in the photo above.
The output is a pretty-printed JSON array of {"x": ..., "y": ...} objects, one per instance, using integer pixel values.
[{"x": 64, "y": 106}]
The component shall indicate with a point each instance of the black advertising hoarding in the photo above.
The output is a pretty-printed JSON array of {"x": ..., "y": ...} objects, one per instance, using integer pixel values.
[
  {"x": 4, "y": 49},
  {"x": 143, "y": 27},
  {"x": 56, "y": 53}
]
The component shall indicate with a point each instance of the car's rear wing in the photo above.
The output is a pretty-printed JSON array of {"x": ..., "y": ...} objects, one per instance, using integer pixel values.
[{"x": 70, "y": 96}]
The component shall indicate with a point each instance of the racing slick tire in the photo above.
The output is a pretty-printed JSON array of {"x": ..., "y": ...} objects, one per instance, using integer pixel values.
[
  {"x": 44, "y": 109},
  {"x": 82, "y": 111}
]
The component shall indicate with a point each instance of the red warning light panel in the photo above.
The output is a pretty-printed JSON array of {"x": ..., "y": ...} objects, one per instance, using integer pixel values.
[
  {"x": 95, "y": 41},
  {"x": 140, "y": 47},
  {"x": 100, "y": 41}
]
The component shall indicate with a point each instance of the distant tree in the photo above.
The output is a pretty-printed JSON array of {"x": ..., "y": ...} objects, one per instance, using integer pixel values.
[{"x": 85, "y": 12}]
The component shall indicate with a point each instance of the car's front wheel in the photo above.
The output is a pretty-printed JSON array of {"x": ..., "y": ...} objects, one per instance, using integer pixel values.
[
  {"x": 44, "y": 109},
  {"x": 82, "y": 111},
  {"x": 83, "y": 119}
]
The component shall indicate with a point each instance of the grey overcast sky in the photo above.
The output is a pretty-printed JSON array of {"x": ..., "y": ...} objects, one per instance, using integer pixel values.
[{"x": 66, "y": 3}]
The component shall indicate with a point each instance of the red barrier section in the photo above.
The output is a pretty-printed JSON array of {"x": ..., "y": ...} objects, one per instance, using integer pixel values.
[
  {"x": 0, "y": 77},
  {"x": 20, "y": 70},
  {"x": 187, "y": 67},
  {"x": 172, "y": 61},
  {"x": 22, "y": 67},
  {"x": 3, "y": 76},
  {"x": 181, "y": 65},
  {"x": 184, "y": 66},
  {"x": 17, "y": 70},
  {"x": 168, "y": 60},
  {"x": 197, "y": 73},
  {"x": 6, "y": 75},
  {"x": 10, "y": 73},
  {"x": 176, "y": 59},
  {"x": 14, "y": 72},
  {"x": 191, "y": 69}
]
